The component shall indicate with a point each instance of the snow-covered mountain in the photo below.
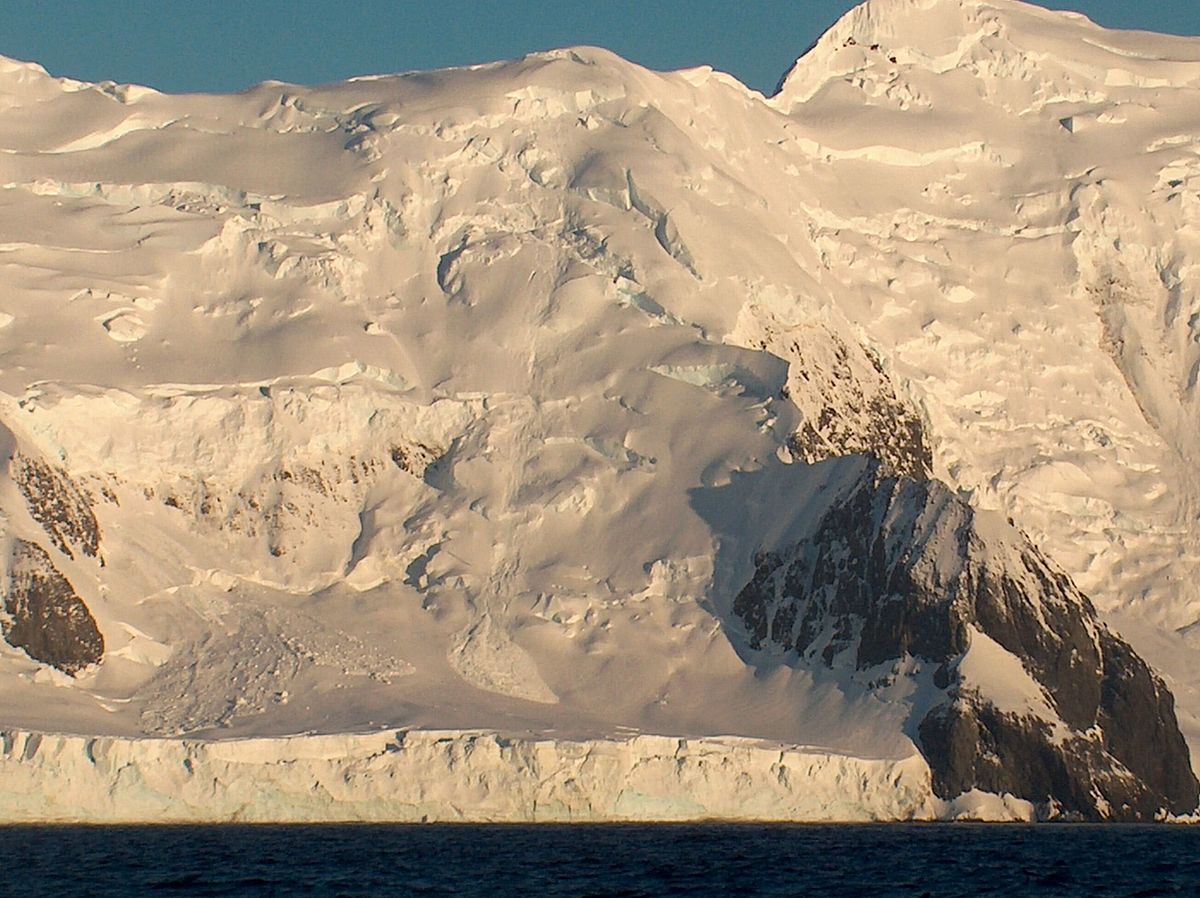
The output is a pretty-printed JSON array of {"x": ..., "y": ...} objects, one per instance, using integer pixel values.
[{"x": 567, "y": 401}]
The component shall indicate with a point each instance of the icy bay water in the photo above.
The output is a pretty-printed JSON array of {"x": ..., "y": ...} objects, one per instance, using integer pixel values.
[{"x": 500, "y": 861}]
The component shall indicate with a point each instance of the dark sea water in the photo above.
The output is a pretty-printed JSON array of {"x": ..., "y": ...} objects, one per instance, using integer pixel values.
[{"x": 502, "y": 861}]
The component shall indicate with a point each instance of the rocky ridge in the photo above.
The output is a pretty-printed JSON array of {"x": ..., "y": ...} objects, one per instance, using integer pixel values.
[{"x": 901, "y": 569}]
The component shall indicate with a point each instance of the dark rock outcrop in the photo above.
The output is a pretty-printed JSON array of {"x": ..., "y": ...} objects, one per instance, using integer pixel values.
[
  {"x": 46, "y": 617},
  {"x": 1137, "y": 717},
  {"x": 62, "y": 508},
  {"x": 971, "y": 744},
  {"x": 898, "y": 436},
  {"x": 849, "y": 403},
  {"x": 898, "y": 567}
]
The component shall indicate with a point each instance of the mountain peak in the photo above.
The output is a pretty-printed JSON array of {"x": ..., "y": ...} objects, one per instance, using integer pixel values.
[{"x": 997, "y": 41}]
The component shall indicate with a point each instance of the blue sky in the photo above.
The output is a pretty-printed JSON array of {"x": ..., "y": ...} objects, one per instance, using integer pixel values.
[{"x": 217, "y": 45}]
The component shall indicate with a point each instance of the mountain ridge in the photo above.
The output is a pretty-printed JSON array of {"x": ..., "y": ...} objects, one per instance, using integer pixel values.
[{"x": 474, "y": 399}]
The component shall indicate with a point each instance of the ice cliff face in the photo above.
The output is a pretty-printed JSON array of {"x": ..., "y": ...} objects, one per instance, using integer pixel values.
[
  {"x": 430, "y": 776},
  {"x": 477, "y": 398}
]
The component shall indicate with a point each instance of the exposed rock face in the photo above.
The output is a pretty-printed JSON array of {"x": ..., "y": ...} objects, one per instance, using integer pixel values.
[
  {"x": 850, "y": 405},
  {"x": 47, "y": 619},
  {"x": 898, "y": 568},
  {"x": 1131, "y": 766},
  {"x": 415, "y": 458},
  {"x": 855, "y": 409},
  {"x": 1137, "y": 716},
  {"x": 61, "y": 507}
]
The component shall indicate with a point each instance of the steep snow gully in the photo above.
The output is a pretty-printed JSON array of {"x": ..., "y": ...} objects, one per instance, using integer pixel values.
[{"x": 557, "y": 439}]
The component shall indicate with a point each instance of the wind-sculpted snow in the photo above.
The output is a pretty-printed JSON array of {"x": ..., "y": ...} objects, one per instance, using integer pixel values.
[{"x": 468, "y": 398}]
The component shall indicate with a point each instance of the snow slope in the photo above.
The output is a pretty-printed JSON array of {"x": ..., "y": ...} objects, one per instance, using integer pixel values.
[{"x": 466, "y": 400}]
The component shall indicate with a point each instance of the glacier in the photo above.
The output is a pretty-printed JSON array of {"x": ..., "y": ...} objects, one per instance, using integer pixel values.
[{"x": 442, "y": 436}]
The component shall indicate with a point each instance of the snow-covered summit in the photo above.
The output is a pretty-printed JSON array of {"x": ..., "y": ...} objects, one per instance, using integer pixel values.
[{"x": 1017, "y": 56}]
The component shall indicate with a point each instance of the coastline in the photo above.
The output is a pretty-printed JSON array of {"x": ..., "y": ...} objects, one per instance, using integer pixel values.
[{"x": 442, "y": 776}]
